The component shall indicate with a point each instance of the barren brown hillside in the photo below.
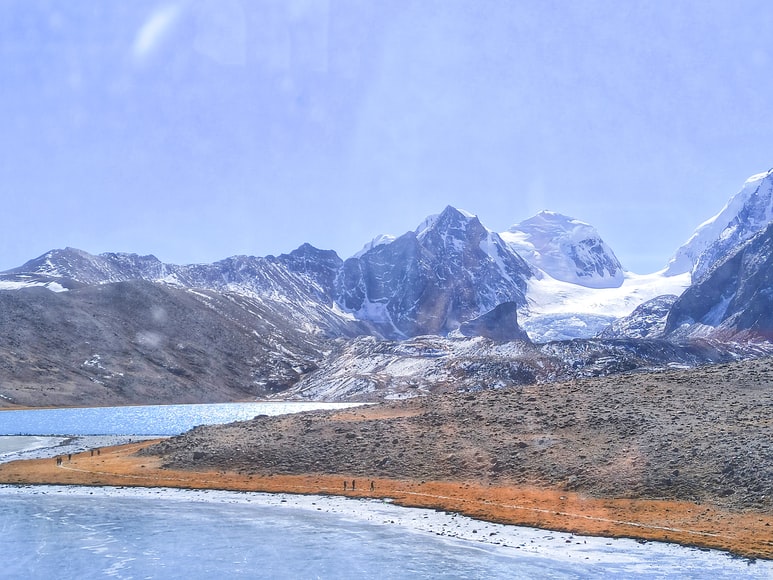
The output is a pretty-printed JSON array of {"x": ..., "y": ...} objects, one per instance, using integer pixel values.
[{"x": 701, "y": 435}]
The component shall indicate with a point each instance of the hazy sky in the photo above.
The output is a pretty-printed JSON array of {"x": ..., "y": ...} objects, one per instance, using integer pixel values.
[{"x": 196, "y": 130}]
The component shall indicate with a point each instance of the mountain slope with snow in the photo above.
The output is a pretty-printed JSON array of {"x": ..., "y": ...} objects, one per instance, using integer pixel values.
[
  {"x": 734, "y": 300},
  {"x": 747, "y": 213}
]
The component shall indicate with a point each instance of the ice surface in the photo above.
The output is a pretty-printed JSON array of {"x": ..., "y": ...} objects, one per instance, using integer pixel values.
[
  {"x": 57, "y": 532},
  {"x": 551, "y": 300}
]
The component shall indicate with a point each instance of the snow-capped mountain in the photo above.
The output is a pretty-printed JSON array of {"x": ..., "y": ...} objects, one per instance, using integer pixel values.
[
  {"x": 71, "y": 267},
  {"x": 377, "y": 241},
  {"x": 747, "y": 213},
  {"x": 734, "y": 300},
  {"x": 302, "y": 273},
  {"x": 566, "y": 249},
  {"x": 294, "y": 288},
  {"x": 448, "y": 271}
]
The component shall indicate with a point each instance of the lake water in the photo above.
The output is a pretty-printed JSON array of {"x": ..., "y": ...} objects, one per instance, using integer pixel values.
[
  {"x": 142, "y": 420},
  {"x": 70, "y": 532}
]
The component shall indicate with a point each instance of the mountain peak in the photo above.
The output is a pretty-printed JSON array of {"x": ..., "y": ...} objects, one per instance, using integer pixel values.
[
  {"x": 449, "y": 219},
  {"x": 567, "y": 249},
  {"x": 449, "y": 270}
]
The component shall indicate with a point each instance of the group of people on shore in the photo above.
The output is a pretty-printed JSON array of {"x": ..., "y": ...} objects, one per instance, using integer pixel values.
[
  {"x": 354, "y": 485},
  {"x": 60, "y": 458}
]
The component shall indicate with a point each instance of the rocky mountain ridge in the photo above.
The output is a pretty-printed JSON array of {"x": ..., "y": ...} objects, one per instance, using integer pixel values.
[{"x": 309, "y": 324}]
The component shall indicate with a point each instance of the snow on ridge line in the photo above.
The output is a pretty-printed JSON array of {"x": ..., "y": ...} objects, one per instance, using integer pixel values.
[
  {"x": 719, "y": 225},
  {"x": 566, "y": 249},
  {"x": 18, "y": 285},
  {"x": 379, "y": 240}
]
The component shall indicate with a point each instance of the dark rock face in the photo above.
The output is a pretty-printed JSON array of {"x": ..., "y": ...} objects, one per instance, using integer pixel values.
[
  {"x": 429, "y": 281},
  {"x": 450, "y": 270},
  {"x": 499, "y": 324},
  {"x": 734, "y": 300},
  {"x": 648, "y": 320}
]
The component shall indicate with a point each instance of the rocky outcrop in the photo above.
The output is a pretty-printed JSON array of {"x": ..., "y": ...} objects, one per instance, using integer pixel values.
[
  {"x": 648, "y": 320},
  {"x": 499, "y": 324}
]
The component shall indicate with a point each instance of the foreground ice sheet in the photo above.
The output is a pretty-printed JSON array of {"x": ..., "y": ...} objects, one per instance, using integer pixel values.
[{"x": 66, "y": 532}]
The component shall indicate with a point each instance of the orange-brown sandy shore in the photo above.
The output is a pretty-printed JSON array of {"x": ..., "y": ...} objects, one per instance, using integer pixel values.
[{"x": 747, "y": 534}]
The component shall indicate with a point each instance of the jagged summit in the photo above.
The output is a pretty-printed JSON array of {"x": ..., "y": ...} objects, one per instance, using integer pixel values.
[
  {"x": 448, "y": 270},
  {"x": 450, "y": 218},
  {"x": 566, "y": 249},
  {"x": 745, "y": 214},
  {"x": 74, "y": 265}
]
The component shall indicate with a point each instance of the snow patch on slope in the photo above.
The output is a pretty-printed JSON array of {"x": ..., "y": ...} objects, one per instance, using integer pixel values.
[{"x": 20, "y": 284}]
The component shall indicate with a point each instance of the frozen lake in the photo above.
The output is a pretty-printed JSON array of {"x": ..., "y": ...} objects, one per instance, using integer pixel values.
[{"x": 61, "y": 532}]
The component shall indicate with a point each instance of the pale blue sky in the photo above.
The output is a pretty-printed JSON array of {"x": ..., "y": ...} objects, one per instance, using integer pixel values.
[{"x": 195, "y": 130}]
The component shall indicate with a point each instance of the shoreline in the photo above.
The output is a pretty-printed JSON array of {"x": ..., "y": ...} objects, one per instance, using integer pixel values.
[{"x": 745, "y": 534}]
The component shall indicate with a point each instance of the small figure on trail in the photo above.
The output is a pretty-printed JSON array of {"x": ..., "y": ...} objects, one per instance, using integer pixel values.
[
  {"x": 69, "y": 457},
  {"x": 372, "y": 485},
  {"x": 353, "y": 482},
  {"x": 344, "y": 485}
]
